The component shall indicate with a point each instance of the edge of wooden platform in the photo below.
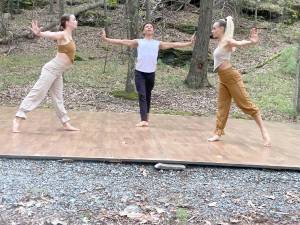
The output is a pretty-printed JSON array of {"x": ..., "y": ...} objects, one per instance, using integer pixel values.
[{"x": 116, "y": 160}]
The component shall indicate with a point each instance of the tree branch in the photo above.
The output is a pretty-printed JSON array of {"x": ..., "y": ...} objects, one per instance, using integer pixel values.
[{"x": 76, "y": 12}]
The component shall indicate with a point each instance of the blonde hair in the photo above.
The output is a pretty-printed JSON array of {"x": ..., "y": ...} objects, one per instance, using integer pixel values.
[
  {"x": 228, "y": 27},
  {"x": 229, "y": 31}
]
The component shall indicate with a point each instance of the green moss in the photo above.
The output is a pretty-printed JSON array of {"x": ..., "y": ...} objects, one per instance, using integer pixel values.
[
  {"x": 78, "y": 57},
  {"x": 123, "y": 94},
  {"x": 175, "y": 57},
  {"x": 182, "y": 215},
  {"x": 112, "y": 4},
  {"x": 184, "y": 28}
]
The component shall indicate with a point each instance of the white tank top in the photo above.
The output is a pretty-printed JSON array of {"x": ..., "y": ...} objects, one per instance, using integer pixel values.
[
  {"x": 220, "y": 56},
  {"x": 147, "y": 53}
]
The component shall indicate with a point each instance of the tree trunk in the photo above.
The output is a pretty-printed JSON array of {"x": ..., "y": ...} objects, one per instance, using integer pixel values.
[
  {"x": 10, "y": 5},
  {"x": 61, "y": 7},
  {"x": 3, "y": 22},
  {"x": 132, "y": 9},
  {"x": 2, "y": 6},
  {"x": 51, "y": 3},
  {"x": 147, "y": 5},
  {"x": 298, "y": 82},
  {"x": 197, "y": 76},
  {"x": 106, "y": 31},
  {"x": 255, "y": 15}
]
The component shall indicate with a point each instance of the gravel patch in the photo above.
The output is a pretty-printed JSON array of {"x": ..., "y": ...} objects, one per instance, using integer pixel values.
[{"x": 53, "y": 192}]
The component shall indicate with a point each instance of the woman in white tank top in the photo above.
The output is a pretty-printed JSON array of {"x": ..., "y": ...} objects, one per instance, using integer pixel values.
[
  {"x": 231, "y": 85},
  {"x": 147, "y": 53}
]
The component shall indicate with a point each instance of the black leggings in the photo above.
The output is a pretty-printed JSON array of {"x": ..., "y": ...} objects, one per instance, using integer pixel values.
[{"x": 144, "y": 83}]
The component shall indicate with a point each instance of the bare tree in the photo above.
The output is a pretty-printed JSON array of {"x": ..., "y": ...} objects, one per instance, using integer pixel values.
[
  {"x": 197, "y": 76},
  {"x": 256, "y": 9},
  {"x": 132, "y": 9},
  {"x": 298, "y": 82},
  {"x": 61, "y": 7},
  {"x": 106, "y": 31},
  {"x": 3, "y": 22},
  {"x": 51, "y": 6},
  {"x": 147, "y": 6}
]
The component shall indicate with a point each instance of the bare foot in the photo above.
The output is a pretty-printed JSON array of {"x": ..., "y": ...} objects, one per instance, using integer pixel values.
[
  {"x": 142, "y": 124},
  {"x": 214, "y": 138},
  {"x": 266, "y": 138},
  {"x": 68, "y": 127},
  {"x": 16, "y": 125}
]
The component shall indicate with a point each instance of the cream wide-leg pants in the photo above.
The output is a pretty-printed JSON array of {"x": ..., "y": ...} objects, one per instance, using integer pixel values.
[{"x": 51, "y": 79}]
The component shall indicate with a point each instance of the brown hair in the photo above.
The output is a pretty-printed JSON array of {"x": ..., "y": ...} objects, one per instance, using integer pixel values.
[
  {"x": 65, "y": 18},
  {"x": 147, "y": 24}
]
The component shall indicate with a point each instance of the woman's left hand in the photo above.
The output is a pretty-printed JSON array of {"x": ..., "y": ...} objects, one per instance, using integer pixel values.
[
  {"x": 35, "y": 28},
  {"x": 254, "y": 35},
  {"x": 193, "y": 38}
]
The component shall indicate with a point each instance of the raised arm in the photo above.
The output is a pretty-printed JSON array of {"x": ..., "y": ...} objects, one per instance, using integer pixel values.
[
  {"x": 166, "y": 45},
  {"x": 252, "y": 41},
  {"x": 126, "y": 42},
  {"x": 47, "y": 34}
]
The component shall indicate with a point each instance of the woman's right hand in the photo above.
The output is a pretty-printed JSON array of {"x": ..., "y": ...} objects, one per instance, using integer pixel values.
[
  {"x": 193, "y": 38},
  {"x": 102, "y": 35},
  {"x": 35, "y": 28},
  {"x": 254, "y": 35}
]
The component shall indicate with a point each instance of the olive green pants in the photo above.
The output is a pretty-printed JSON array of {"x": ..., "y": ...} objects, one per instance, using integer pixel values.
[{"x": 231, "y": 86}]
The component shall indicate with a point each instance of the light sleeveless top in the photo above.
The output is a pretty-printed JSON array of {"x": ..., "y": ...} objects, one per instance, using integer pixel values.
[
  {"x": 220, "y": 56},
  {"x": 147, "y": 53},
  {"x": 69, "y": 49}
]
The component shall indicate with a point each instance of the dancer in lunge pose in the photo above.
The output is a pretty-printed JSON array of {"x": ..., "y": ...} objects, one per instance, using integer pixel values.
[
  {"x": 231, "y": 85},
  {"x": 147, "y": 53},
  {"x": 51, "y": 76}
]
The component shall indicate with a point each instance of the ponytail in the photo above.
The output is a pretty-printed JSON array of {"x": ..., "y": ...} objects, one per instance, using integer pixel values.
[{"x": 229, "y": 30}]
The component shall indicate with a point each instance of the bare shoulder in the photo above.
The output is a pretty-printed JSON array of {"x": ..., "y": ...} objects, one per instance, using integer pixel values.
[
  {"x": 229, "y": 44},
  {"x": 64, "y": 38}
]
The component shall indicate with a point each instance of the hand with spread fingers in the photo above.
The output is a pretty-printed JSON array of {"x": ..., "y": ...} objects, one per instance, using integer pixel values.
[
  {"x": 35, "y": 28},
  {"x": 102, "y": 34},
  {"x": 254, "y": 35}
]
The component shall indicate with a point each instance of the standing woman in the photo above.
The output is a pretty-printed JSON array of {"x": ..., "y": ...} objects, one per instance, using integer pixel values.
[
  {"x": 147, "y": 53},
  {"x": 51, "y": 76},
  {"x": 230, "y": 81}
]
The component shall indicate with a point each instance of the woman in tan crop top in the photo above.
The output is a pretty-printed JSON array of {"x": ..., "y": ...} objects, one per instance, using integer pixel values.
[
  {"x": 51, "y": 76},
  {"x": 231, "y": 85}
]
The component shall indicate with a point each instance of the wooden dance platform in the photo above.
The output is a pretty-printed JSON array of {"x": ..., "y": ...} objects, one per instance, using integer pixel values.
[{"x": 170, "y": 139}]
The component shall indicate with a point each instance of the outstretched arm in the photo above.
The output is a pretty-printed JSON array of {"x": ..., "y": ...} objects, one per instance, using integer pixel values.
[
  {"x": 252, "y": 41},
  {"x": 167, "y": 45},
  {"x": 126, "y": 42},
  {"x": 47, "y": 34}
]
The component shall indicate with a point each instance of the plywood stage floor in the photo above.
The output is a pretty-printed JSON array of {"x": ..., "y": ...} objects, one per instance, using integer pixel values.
[{"x": 170, "y": 139}]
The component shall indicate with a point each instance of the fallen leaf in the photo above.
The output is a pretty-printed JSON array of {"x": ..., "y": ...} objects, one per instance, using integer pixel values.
[
  {"x": 250, "y": 203},
  {"x": 234, "y": 221},
  {"x": 270, "y": 197},
  {"x": 213, "y": 204}
]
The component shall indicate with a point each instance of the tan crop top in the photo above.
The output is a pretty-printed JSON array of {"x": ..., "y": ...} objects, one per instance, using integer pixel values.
[{"x": 69, "y": 49}]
